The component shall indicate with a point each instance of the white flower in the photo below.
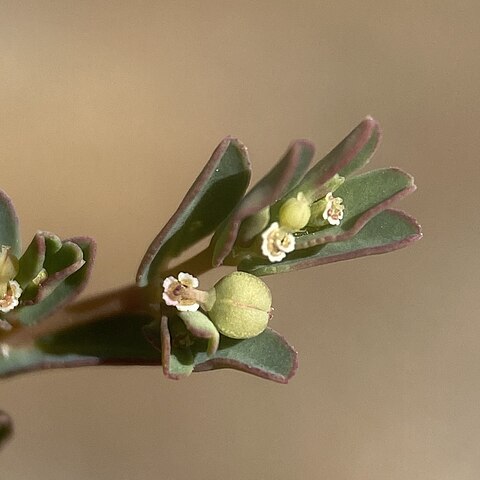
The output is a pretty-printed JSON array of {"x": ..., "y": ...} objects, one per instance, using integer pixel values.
[
  {"x": 277, "y": 242},
  {"x": 333, "y": 212},
  {"x": 10, "y": 299},
  {"x": 179, "y": 292}
]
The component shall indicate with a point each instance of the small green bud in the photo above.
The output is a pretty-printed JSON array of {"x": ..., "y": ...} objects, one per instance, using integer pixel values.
[
  {"x": 294, "y": 213},
  {"x": 242, "y": 306}
]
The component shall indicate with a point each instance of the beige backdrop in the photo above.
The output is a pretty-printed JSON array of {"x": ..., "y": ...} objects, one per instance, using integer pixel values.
[{"x": 108, "y": 111}]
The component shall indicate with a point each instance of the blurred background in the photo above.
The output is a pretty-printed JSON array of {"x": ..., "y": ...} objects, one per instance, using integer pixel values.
[{"x": 109, "y": 109}]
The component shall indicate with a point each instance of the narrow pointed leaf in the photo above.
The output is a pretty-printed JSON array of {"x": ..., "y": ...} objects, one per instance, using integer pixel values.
[
  {"x": 364, "y": 196},
  {"x": 6, "y": 428},
  {"x": 9, "y": 234},
  {"x": 72, "y": 280},
  {"x": 281, "y": 179},
  {"x": 211, "y": 198},
  {"x": 351, "y": 154},
  {"x": 113, "y": 341},
  {"x": 388, "y": 231}
]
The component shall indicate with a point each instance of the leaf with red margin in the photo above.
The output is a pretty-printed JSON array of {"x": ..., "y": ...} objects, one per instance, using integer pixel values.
[
  {"x": 351, "y": 154},
  {"x": 213, "y": 195},
  {"x": 282, "y": 178},
  {"x": 364, "y": 196},
  {"x": 387, "y": 231},
  {"x": 267, "y": 356}
]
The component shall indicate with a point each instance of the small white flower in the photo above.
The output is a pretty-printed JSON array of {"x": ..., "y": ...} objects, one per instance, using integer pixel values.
[
  {"x": 277, "y": 242},
  {"x": 333, "y": 212},
  {"x": 178, "y": 292},
  {"x": 10, "y": 299}
]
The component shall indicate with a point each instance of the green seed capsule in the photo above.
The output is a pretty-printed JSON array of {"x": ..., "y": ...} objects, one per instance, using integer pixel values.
[
  {"x": 294, "y": 213},
  {"x": 242, "y": 306}
]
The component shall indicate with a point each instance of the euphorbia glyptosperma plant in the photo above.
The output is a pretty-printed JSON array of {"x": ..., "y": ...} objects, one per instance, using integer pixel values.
[{"x": 293, "y": 218}]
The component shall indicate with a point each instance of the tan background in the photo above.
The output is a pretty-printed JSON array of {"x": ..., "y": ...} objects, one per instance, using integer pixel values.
[{"x": 109, "y": 110}]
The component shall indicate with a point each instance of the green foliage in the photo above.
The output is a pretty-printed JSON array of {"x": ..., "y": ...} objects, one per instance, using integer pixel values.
[
  {"x": 68, "y": 265},
  {"x": 267, "y": 355},
  {"x": 350, "y": 155},
  {"x": 282, "y": 178},
  {"x": 215, "y": 192},
  {"x": 52, "y": 271},
  {"x": 388, "y": 231},
  {"x": 364, "y": 196}
]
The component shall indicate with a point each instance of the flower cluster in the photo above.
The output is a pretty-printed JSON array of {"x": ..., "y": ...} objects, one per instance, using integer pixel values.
[
  {"x": 239, "y": 306},
  {"x": 295, "y": 214}
]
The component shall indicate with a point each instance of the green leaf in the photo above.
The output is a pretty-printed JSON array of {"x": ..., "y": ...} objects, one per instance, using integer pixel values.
[
  {"x": 267, "y": 355},
  {"x": 272, "y": 187},
  {"x": 32, "y": 260},
  {"x": 387, "y": 231},
  {"x": 66, "y": 281},
  {"x": 9, "y": 234},
  {"x": 368, "y": 142},
  {"x": 351, "y": 154},
  {"x": 364, "y": 196},
  {"x": 113, "y": 341},
  {"x": 6, "y": 428},
  {"x": 211, "y": 198}
]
